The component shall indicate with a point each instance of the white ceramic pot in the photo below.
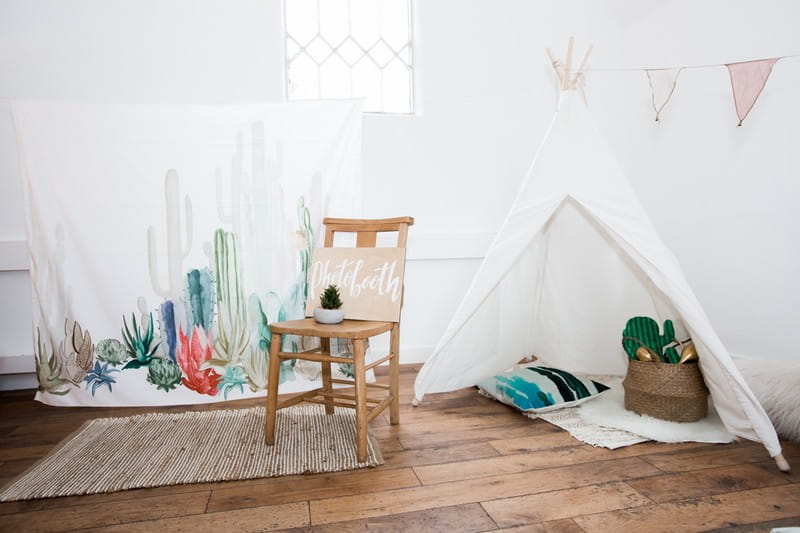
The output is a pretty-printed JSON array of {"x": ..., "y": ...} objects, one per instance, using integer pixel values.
[{"x": 328, "y": 316}]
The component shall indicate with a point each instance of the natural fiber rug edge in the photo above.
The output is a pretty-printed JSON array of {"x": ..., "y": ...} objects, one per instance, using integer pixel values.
[{"x": 374, "y": 457}]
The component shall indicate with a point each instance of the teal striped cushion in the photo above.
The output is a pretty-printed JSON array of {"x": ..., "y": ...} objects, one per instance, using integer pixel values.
[{"x": 540, "y": 388}]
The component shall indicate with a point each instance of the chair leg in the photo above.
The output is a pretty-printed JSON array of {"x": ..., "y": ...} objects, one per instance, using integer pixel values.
[
  {"x": 361, "y": 399},
  {"x": 272, "y": 387},
  {"x": 325, "y": 343},
  {"x": 394, "y": 375}
]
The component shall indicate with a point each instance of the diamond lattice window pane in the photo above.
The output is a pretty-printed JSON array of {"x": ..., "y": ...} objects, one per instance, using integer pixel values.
[
  {"x": 396, "y": 87},
  {"x": 394, "y": 23},
  {"x": 381, "y": 53},
  {"x": 351, "y": 49},
  {"x": 365, "y": 21},
  {"x": 303, "y": 78},
  {"x": 334, "y": 24},
  {"x": 302, "y": 20},
  {"x": 405, "y": 55},
  {"x": 350, "y": 52},
  {"x": 367, "y": 83},
  {"x": 334, "y": 77},
  {"x": 319, "y": 50},
  {"x": 292, "y": 48}
]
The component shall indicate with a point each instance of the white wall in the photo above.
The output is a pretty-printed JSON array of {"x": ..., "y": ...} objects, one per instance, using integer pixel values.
[{"x": 722, "y": 197}]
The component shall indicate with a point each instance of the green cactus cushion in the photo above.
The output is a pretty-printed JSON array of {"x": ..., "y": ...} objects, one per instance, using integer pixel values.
[
  {"x": 534, "y": 388},
  {"x": 643, "y": 330}
]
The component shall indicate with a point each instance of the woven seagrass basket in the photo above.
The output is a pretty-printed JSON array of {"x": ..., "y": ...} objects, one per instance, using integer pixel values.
[{"x": 664, "y": 390}]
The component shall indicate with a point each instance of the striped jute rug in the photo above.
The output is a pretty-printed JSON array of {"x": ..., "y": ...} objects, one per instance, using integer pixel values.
[{"x": 114, "y": 454}]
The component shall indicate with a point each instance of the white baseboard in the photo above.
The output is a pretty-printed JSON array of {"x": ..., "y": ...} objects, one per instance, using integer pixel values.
[
  {"x": 18, "y": 381},
  {"x": 17, "y": 364}
]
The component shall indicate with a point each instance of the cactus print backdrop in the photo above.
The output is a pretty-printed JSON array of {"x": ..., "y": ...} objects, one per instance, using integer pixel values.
[{"x": 164, "y": 240}]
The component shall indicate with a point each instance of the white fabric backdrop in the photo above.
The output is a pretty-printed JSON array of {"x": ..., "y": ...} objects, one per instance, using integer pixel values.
[{"x": 200, "y": 219}]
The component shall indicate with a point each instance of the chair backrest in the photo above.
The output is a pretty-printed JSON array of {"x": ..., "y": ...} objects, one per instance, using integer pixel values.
[{"x": 367, "y": 230}]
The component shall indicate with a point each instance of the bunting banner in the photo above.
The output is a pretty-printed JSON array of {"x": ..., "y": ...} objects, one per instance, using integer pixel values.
[
  {"x": 748, "y": 79},
  {"x": 662, "y": 86},
  {"x": 164, "y": 240}
]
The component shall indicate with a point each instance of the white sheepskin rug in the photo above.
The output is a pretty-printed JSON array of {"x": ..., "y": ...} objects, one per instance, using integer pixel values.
[
  {"x": 777, "y": 387},
  {"x": 608, "y": 410}
]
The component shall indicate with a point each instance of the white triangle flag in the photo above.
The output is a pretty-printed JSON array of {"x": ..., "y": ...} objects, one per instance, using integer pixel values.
[{"x": 662, "y": 85}]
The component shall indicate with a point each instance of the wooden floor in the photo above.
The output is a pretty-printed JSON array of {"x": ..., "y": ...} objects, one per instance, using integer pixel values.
[{"x": 459, "y": 462}]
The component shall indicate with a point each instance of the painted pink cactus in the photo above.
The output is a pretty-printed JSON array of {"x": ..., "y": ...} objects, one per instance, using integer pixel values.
[{"x": 194, "y": 352}]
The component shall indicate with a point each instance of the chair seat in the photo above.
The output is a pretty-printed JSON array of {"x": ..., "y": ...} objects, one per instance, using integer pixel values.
[{"x": 347, "y": 329}]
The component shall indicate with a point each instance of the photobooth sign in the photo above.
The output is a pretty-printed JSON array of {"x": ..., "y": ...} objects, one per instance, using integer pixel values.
[{"x": 370, "y": 281}]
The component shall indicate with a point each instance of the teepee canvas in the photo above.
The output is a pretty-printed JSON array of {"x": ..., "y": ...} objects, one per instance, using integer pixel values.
[{"x": 575, "y": 258}]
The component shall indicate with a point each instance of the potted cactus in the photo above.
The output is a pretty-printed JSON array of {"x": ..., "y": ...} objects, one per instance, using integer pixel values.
[{"x": 331, "y": 311}]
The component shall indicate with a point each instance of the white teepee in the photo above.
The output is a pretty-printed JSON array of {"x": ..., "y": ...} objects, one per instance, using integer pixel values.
[{"x": 575, "y": 258}]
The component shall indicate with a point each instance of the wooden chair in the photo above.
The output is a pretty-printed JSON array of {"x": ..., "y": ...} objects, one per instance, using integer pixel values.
[{"x": 357, "y": 331}]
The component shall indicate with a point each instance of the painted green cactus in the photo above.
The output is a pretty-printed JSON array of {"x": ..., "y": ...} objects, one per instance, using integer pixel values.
[
  {"x": 165, "y": 374},
  {"x": 111, "y": 351},
  {"x": 232, "y": 333},
  {"x": 646, "y": 330},
  {"x": 48, "y": 369},
  {"x": 139, "y": 344}
]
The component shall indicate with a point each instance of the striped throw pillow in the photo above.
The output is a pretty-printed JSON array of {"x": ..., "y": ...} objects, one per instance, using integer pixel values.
[{"x": 540, "y": 388}]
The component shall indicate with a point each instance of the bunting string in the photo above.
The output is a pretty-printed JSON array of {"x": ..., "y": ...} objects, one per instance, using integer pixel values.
[{"x": 748, "y": 79}]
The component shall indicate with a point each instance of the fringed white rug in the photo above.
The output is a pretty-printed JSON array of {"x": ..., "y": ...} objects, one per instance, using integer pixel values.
[
  {"x": 605, "y": 422},
  {"x": 114, "y": 454}
]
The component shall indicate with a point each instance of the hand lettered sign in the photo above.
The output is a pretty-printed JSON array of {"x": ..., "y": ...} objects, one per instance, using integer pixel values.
[{"x": 370, "y": 281}]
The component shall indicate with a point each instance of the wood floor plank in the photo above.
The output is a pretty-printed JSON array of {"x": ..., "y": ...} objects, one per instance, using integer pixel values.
[
  {"x": 725, "y": 510},
  {"x": 475, "y": 490},
  {"x": 560, "y": 438},
  {"x": 462, "y": 518},
  {"x": 434, "y": 439},
  {"x": 707, "y": 482},
  {"x": 708, "y": 457},
  {"x": 567, "y": 503},
  {"x": 300, "y": 488},
  {"x": 546, "y": 458},
  {"x": 90, "y": 515},
  {"x": 443, "y": 455},
  {"x": 449, "y": 425},
  {"x": 566, "y": 525},
  {"x": 268, "y": 518}
]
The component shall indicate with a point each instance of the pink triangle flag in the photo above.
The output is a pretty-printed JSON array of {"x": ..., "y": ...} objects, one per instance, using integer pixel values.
[
  {"x": 747, "y": 81},
  {"x": 662, "y": 85}
]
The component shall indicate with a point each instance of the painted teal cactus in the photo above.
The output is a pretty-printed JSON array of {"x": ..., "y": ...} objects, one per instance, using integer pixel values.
[
  {"x": 646, "y": 330},
  {"x": 99, "y": 376},
  {"x": 48, "y": 369},
  {"x": 139, "y": 344},
  {"x": 232, "y": 378},
  {"x": 165, "y": 374},
  {"x": 111, "y": 351},
  {"x": 200, "y": 298},
  {"x": 175, "y": 252}
]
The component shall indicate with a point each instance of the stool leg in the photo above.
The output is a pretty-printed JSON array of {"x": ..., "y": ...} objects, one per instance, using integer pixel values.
[
  {"x": 394, "y": 375},
  {"x": 325, "y": 343},
  {"x": 272, "y": 387},
  {"x": 361, "y": 399}
]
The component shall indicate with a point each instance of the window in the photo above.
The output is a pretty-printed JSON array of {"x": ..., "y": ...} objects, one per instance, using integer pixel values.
[{"x": 350, "y": 49}]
